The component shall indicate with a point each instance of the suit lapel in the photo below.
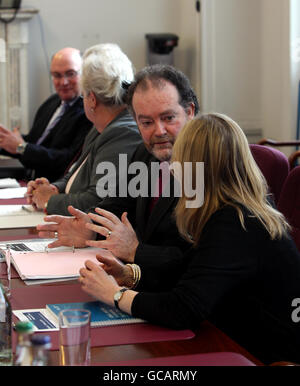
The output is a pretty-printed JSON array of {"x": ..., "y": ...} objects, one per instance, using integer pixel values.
[
  {"x": 162, "y": 206},
  {"x": 63, "y": 121},
  {"x": 141, "y": 215},
  {"x": 45, "y": 119},
  {"x": 159, "y": 210},
  {"x": 145, "y": 222}
]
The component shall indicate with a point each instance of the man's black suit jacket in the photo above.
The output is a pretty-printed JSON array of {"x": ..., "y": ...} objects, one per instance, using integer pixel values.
[
  {"x": 51, "y": 158},
  {"x": 160, "y": 242}
]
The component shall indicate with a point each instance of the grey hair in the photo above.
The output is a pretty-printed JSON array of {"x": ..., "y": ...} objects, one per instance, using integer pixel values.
[{"x": 106, "y": 71}]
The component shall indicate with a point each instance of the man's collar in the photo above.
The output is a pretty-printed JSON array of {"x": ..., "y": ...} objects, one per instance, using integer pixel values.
[{"x": 72, "y": 101}]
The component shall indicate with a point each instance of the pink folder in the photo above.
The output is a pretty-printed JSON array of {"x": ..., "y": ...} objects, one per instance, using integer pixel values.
[
  {"x": 52, "y": 265},
  {"x": 26, "y": 298}
]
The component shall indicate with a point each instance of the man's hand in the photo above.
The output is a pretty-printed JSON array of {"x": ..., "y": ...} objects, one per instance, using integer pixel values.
[
  {"x": 9, "y": 140},
  {"x": 69, "y": 231},
  {"x": 121, "y": 239}
]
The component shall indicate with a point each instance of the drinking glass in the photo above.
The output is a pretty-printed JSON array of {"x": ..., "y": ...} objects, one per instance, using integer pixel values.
[
  {"x": 74, "y": 336},
  {"x": 6, "y": 278}
]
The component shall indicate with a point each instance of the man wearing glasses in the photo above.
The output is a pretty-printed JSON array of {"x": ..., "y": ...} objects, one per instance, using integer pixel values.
[{"x": 59, "y": 127}]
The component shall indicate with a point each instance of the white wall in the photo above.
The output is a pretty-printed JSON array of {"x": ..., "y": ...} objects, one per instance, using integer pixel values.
[
  {"x": 125, "y": 22},
  {"x": 276, "y": 70},
  {"x": 245, "y": 70},
  {"x": 295, "y": 62},
  {"x": 248, "y": 71},
  {"x": 231, "y": 76}
]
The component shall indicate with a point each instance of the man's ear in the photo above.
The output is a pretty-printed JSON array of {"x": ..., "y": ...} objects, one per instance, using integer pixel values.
[{"x": 190, "y": 111}]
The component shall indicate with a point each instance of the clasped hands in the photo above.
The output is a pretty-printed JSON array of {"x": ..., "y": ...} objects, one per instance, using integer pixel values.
[{"x": 39, "y": 191}]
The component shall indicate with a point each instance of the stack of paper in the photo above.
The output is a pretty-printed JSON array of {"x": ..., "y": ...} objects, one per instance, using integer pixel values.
[
  {"x": 9, "y": 193},
  {"x": 9, "y": 183},
  {"x": 19, "y": 216}
]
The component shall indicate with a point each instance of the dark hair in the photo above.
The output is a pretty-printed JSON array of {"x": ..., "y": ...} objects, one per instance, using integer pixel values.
[{"x": 158, "y": 73}]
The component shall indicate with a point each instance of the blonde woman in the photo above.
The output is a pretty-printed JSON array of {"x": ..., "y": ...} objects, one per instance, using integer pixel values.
[{"x": 242, "y": 272}]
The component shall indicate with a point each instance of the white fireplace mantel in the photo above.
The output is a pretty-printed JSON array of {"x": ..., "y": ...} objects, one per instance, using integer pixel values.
[{"x": 14, "y": 39}]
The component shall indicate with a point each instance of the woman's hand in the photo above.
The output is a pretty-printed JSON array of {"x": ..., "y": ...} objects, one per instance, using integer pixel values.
[
  {"x": 97, "y": 283},
  {"x": 114, "y": 267},
  {"x": 42, "y": 192}
]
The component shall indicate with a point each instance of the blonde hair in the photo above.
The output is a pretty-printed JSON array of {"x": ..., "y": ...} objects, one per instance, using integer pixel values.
[
  {"x": 107, "y": 72},
  {"x": 231, "y": 176}
]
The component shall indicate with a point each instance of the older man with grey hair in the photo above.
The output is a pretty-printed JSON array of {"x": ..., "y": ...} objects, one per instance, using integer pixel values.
[{"x": 59, "y": 127}]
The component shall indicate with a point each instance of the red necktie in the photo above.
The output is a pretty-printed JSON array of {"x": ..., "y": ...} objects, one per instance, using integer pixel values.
[{"x": 155, "y": 199}]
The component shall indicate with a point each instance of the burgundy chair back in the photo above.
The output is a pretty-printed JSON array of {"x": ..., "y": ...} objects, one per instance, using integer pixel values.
[
  {"x": 289, "y": 202},
  {"x": 274, "y": 165}
]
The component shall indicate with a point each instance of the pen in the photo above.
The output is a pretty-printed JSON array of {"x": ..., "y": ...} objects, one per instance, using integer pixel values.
[{"x": 26, "y": 209}]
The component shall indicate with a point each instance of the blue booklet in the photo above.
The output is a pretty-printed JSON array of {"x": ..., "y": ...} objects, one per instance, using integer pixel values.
[{"x": 101, "y": 314}]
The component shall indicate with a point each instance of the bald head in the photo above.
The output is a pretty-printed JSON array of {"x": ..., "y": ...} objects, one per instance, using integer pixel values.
[{"x": 65, "y": 71}]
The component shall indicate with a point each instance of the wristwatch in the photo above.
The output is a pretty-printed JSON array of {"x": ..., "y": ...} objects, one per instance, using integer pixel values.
[
  {"x": 118, "y": 296},
  {"x": 21, "y": 148}
]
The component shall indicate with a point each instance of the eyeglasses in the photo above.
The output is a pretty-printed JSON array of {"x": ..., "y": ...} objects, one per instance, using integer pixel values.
[{"x": 71, "y": 74}]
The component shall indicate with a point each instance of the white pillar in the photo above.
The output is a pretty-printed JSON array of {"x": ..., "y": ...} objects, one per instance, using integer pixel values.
[{"x": 14, "y": 96}]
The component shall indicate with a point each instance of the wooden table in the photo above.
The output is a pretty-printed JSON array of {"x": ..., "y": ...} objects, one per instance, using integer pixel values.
[{"x": 208, "y": 338}]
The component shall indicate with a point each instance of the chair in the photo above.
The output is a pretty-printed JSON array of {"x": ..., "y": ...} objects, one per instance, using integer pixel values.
[
  {"x": 289, "y": 202},
  {"x": 274, "y": 165},
  {"x": 292, "y": 158}
]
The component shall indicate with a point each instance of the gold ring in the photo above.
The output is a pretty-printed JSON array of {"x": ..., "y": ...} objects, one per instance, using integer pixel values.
[{"x": 108, "y": 234}]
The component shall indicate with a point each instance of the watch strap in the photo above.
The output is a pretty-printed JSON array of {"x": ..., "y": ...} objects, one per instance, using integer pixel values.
[
  {"x": 21, "y": 148},
  {"x": 118, "y": 296}
]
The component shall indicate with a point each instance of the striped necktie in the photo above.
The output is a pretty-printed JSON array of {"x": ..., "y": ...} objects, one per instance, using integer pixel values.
[{"x": 55, "y": 119}]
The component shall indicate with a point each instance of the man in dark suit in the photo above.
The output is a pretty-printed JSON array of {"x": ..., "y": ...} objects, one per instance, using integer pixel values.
[
  {"x": 162, "y": 101},
  {"x": 59, "y": 127}
]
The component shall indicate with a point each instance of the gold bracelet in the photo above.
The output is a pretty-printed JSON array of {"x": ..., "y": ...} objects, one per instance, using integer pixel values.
[{"x": 136, "y": 272}]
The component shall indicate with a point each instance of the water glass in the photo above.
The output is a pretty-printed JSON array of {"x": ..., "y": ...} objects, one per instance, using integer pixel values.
[
  {"x": 74, "y": 336},
  {"x": 6, "y": 281}
]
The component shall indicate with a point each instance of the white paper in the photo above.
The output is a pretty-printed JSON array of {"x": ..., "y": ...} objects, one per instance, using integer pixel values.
[
  {"x": 35, "y": 245},
  {"x": 8, "y": 193},
  {"x": 15, "y": 216},
  {"x": 40, "y": 318},
  {"x": 9, "y": 183}
]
